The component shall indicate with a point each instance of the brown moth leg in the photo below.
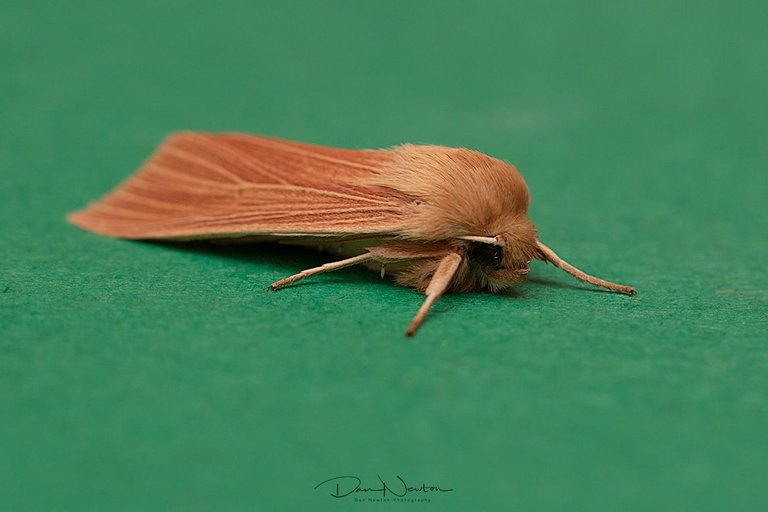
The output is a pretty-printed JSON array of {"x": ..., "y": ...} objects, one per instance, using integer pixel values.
[
  {"x": 550, "y": 255},
  {"x": 439, "y": 283},
  {"x": 382, "y": 253},
  {"x": 328, "y": 267}
]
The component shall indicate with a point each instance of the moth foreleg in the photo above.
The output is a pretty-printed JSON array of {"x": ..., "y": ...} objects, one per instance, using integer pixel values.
[
  {"x": 437, "y": 286},
  {"x": 328, "y": 267}
]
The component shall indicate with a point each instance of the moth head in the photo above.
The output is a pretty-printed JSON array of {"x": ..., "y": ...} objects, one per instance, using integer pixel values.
[{"x": 501, "y": 260}]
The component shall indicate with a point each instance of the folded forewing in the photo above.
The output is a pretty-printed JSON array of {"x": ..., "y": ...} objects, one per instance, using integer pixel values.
[{"x": 199, "y": 185}]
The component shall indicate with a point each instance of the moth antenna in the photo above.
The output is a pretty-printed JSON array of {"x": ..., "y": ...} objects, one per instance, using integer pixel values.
[
  {"x": 437, "y": 286},
  {"x": 482, "y": 239},
  {"x": 328, "y": 267},
  {"x": 550, "y": 255}
]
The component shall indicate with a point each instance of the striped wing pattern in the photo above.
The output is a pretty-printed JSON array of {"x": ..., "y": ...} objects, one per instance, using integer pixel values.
[{"x": 199, "y": 185}]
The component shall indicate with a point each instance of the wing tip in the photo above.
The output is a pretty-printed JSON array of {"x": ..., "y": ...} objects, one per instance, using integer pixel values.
[
  {"x": 80, "y": 218},
  {"x": 88, "y": 219},
  {"x": 85, "y": 220}
]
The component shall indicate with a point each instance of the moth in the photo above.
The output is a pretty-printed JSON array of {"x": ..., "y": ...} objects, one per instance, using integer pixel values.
[{"x": 438, "y": 219}]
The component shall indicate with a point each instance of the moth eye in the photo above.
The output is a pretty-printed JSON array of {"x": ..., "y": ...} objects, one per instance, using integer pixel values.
[{"x": 487, "y": 255}]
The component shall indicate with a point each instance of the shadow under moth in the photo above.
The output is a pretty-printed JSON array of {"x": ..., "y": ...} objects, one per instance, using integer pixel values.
[{"x": 438, "y": 219}]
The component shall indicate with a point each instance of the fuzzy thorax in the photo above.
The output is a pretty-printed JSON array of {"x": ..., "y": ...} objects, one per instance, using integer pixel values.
[
  {"x": 455, "y": 192},
  {"x": 458, "y": 192}
]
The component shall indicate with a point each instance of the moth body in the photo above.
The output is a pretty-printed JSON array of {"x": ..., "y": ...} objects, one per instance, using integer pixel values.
[{"x": 438, "y": 219}]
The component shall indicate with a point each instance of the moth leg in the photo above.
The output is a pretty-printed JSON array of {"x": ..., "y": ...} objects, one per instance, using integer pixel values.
[
  {"x": 549, "y": 255},
  {"x": 439, "y": 283},
  {"x": 328, "y": 267}
]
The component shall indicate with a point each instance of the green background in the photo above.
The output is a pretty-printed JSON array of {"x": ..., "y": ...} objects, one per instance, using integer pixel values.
[{"x": 149, "y": 377}]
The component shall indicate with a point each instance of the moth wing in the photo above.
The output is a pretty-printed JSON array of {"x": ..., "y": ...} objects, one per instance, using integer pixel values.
[{"x": 199, "y": 185}]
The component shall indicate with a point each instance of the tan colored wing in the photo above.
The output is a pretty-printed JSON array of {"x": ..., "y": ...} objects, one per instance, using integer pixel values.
[{"x": 200, "y": 185}]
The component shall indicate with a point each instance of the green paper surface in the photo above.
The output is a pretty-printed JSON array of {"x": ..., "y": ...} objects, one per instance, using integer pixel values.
[{"x": 138, "y": 376}]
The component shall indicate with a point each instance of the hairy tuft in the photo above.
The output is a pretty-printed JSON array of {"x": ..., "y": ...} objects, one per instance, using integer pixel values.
[{"x": 455, "y": 192}]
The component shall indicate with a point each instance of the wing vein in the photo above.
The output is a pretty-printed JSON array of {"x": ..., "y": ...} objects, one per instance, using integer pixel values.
[{"x": 191, "y": 157}]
